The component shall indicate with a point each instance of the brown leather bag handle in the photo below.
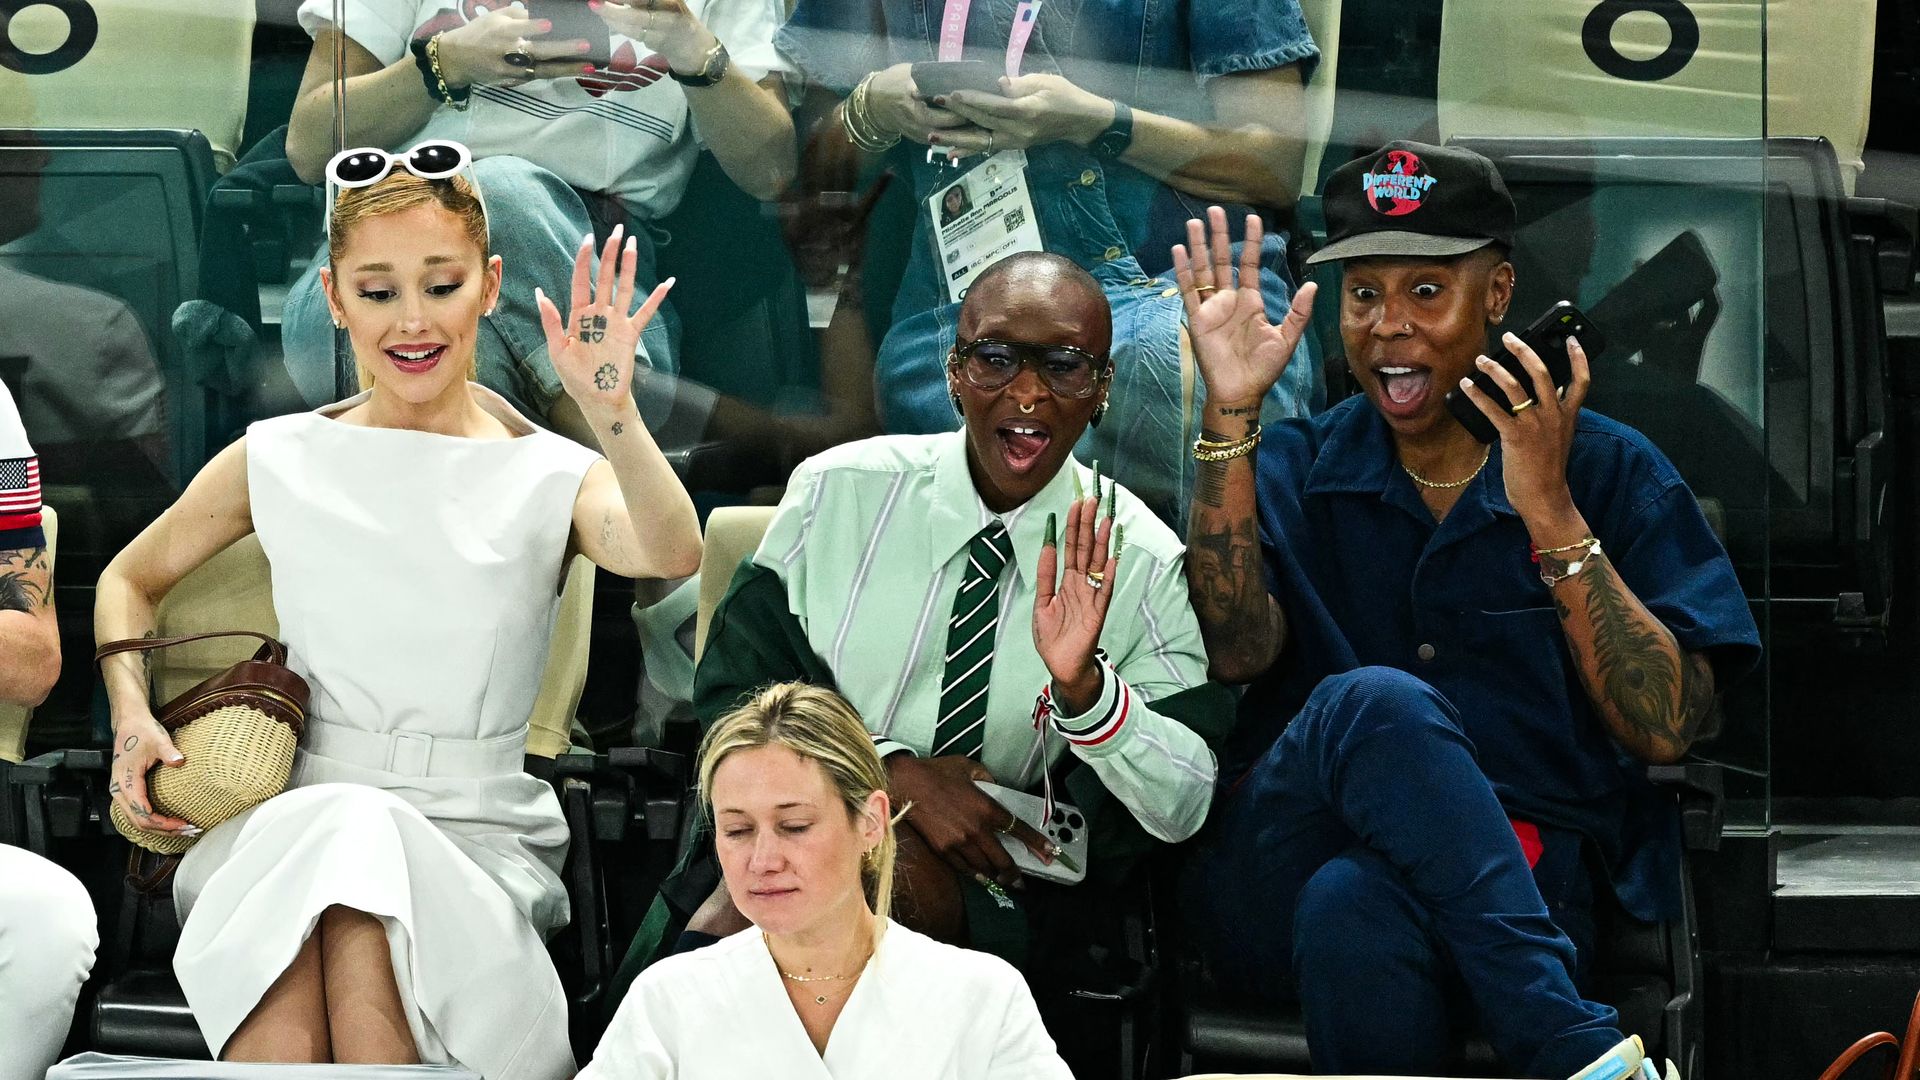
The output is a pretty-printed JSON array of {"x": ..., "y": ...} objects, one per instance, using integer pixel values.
[{"x": 275, "y": 652}]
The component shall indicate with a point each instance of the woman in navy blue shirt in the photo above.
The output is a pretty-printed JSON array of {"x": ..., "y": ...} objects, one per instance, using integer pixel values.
[
  {"x": 1133, "y": 114},
  {"x": 1462, "y": 655}
]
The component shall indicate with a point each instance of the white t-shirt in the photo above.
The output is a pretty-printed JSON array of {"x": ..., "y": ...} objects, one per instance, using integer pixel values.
[
  {"x": 922, "y": 1010},
  {"x": 19, "y": 481},
  {"x": 622, "y": 131}
]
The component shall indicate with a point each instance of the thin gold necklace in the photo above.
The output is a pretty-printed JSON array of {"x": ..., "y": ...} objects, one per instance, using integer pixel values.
[
  {"x": 1424, "y": 482},
  {"x": 820, "y": 998}
]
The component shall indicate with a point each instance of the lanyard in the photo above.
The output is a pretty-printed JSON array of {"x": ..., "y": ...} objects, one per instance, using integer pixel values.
[{"x": 953, "y": 32}]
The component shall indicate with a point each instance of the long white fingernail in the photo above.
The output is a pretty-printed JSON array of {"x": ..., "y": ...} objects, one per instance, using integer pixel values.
[{"x": 191, "y": 830}]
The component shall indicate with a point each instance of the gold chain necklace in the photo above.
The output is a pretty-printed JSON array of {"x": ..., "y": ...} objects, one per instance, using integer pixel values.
[
  {"x": 1424, "y": 482},
  {"x": 820, "y": 998}
]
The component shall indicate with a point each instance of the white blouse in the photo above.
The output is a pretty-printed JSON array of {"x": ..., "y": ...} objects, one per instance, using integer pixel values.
[{"x": 922, "y": 1011}]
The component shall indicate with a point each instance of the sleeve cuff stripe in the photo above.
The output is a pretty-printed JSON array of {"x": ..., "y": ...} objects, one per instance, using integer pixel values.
[{"x": 1107, "y": 729}]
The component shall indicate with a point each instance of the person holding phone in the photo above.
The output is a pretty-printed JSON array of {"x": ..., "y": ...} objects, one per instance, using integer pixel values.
[
  {"x": 1462, "y": 656},
  {"x": 946, "y": 585},
  {"x": 1131, "y": 116},
  {"x": 566, "y": 141}
]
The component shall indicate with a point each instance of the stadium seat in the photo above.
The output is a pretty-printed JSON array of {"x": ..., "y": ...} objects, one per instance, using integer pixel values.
[
  {"x": 1583, "y": 69},
  {"x": 61, "y": 803},
  {"x": 733, "y": 535},
  {"x": 120, "y": 64},
  {"x": 1767, "y": 390}
]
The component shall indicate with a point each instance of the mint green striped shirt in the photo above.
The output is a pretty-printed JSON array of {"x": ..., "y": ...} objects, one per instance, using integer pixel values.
[{"x": 871, "y": 545}]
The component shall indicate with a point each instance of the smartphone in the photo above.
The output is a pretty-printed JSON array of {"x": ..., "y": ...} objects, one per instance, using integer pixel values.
[
  {"x": 573, "y": 20},
  {"x": 935, "y": 78},
  {"x": 1065, "y": 827},
  {"x": 1547, "y": 337}
]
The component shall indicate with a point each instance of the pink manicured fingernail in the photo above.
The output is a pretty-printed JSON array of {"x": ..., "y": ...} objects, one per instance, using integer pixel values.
[
  {"x": 546, "y": 26},
  {"x": 589, "y": 69},
  {"x": 596, "y": 5},
  {"x": 582, "y": 47}
]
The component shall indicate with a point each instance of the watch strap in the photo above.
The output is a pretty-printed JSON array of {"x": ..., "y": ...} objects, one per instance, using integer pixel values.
[
  {"x": 1113, "y": 142},
  {"x": 712, "y": 71}
]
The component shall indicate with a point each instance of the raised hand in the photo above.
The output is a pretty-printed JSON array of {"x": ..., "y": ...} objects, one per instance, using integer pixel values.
[
  {"x": 1067, "y": 616},
  {"x": 1241, "y": 355},
  {"x": 592, "y": 351}
]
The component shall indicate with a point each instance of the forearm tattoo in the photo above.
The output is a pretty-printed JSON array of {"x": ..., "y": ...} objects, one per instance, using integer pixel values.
[
  {"x": 593, "y": 329},
  {"x": 1663, "y": 695},
  {"x": 1228, "y": 593},
  {"x": 618, "y": 427},
  {"x": 20, "y": 585}
]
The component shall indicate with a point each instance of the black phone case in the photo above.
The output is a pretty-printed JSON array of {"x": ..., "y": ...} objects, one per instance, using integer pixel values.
[
  {"x": 1547, "y": 337},
  {"x": 933, "y": 78},
  {"x": 573, "y": 20}
]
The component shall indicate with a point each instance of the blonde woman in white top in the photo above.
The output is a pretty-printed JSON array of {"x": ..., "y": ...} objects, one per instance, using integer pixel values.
[
  {"x": 822, "y": 986},
  {"x": 391, "y": 906}
]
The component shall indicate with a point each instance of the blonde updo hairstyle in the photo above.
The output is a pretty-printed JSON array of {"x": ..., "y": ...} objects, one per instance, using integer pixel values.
[
  {"x": 822, "y": 727},
  {"x": 400, "y": 191}
]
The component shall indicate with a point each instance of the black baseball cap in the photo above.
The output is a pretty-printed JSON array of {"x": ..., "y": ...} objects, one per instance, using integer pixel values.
[{"x": 1410, "y": 198}]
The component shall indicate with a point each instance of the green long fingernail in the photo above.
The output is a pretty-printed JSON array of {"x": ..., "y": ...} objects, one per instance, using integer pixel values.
[
  {"x": 1119, "y": 539},
  {"x": 1053, "y": 537},
  {"x": 1113, "y": 498},
  {"x": 1096, "y": 481}
]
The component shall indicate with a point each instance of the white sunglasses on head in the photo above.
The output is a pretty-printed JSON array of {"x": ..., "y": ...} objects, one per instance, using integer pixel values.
[{"x": 436, "y": 159}]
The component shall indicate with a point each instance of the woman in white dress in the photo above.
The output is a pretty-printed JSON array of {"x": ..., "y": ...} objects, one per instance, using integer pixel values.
[
  {"x": 391, "y": 906},
  {"x": 822, "y": 985}
]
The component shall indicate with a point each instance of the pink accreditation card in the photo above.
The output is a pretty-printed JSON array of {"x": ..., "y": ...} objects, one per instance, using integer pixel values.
[
  {"x": 1023, "y": 23},
  {"x": 953, "y": 32}
]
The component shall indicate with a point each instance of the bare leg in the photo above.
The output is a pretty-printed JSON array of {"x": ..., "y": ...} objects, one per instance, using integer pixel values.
[
  {"x": 364, "y": 1013},
  {"x": 290, "y": 1023},
  {"x": 926, "y": 892}
]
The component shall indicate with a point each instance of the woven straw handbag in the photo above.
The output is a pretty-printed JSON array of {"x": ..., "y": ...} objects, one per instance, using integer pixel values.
[{"x": 237, "y": 731}]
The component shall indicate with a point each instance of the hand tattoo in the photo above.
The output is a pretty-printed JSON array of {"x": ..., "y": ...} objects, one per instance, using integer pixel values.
[
  {"x": 593, "y": 330},
  {"x": 606, "y": 378},
  {"x": 127, "y": 747}
]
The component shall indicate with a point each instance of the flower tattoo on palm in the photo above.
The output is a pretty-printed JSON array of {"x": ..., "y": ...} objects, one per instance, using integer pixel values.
[{"x": 606, "y": 378}]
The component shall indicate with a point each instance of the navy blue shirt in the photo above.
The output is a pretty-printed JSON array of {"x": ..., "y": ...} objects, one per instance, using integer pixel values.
[{"x": 1367, "y": 577}]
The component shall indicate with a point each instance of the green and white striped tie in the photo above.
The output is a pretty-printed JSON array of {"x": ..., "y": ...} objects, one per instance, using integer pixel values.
[{"x": 976, "y": 613}]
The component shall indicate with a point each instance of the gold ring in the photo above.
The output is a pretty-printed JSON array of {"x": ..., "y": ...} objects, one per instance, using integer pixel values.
[
  {"x": 1012, "y": 820},
  {"x": 1206, "y": 288},
  {"x": 1096, "y": 578},
  {"x": 1522, "y": 407}
]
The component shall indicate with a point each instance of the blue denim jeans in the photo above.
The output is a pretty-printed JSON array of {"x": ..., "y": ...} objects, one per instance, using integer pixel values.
[
  {"x": 534, "y": 223},
  {"x": 1365, "y": 865}
]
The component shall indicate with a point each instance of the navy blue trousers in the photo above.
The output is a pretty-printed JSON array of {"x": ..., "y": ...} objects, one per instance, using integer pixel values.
[{"x": 1365, "y": 866}]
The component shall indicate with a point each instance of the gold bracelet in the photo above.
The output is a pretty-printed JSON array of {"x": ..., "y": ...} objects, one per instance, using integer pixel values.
[
  {"x": 1585, "y": 541},
  {"x": 433, "y": 61},
  {"x": 1206, "y": 451},
  {"x": 1204, "y": 443},
  {"x": 1550, "y": 579},
  {"x": 861, "y": 129}
]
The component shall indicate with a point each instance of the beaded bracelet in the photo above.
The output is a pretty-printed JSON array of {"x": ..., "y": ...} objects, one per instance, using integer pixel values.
[{"x": 1573, "y": 568}]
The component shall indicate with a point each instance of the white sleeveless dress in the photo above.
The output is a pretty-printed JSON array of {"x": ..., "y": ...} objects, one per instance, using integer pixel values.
[{"x": 415, "y": 577}]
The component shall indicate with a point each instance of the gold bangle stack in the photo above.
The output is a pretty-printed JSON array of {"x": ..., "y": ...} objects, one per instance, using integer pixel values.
[
  {"x": 1205, "y": 449},
  {"x": 433, "y": 61},
  {"x": 860, "y": 128}
]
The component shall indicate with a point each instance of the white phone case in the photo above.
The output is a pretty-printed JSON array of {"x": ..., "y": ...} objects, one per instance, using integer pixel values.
[{"x": 1066, "y": 828}]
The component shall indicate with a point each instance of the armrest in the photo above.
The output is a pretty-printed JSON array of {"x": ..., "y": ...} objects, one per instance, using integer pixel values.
[{"x": 1700, "y": 787}]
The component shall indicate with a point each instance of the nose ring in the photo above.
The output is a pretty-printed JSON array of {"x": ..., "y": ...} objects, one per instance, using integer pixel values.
[
  {"x": 1027, "y": 408},
  {"x": 1407, "y": 326}
]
